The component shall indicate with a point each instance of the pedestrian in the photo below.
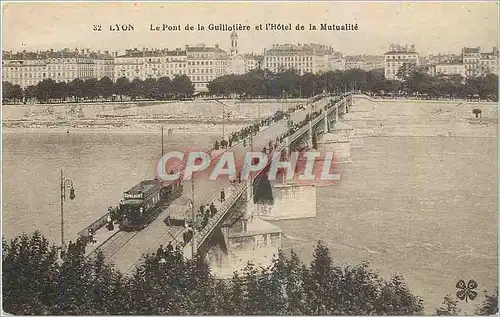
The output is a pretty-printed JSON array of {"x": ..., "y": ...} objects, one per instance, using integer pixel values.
[
  {"x": 91, "y": 236},
  {"x": 109, "y": 224},
  {"x": 222, "y": 195},
  {"x": 159, "y": 252},
  {"x": 170, "y": 248},
  {"x": 112, "y": 213},
  {"x": 213, "y": 210}
]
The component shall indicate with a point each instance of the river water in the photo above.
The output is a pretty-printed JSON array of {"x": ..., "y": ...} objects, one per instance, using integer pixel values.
[{"x": 421, "y": 206}]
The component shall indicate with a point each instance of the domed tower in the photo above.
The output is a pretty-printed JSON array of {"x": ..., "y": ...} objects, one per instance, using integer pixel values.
[{"x": 234, "y": 43}]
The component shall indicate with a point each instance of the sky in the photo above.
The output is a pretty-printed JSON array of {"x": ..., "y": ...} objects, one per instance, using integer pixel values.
[{"x": 433, "y": 27}]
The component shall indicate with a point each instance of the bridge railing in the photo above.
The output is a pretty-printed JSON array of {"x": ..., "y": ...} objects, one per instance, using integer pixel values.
[
  {"x": 204, "y": 233},
  {"x": 96, "y": 225}
]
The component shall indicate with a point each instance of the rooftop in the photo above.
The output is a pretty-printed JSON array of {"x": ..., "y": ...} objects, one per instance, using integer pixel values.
[
  {"x": 145, "y": 186},
  {"x": 400, "y": 53},
  {"x": 66, "y": 53},
  {"x": 471, "y": 49}
]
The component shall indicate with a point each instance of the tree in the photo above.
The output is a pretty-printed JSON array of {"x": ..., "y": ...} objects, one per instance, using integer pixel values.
[
  {"x": 136, "y": 88},
  {"x": 164, "y": 87},
  {"x": 36, "y": 282},
  {"x": 320, "y": 283},
  {"x": 29, "y": 275},
  {"x": 60, "y": 91},
  {"x": 17, "y": 93},
  {"x": 396, "y": 299},
  {"x": 105, "y": 87},
  {"x": 449, "y": 307},
  {"x": 182, "y": 86},
  {"x": 489, "y": 306},
  {"x": 45, "y": 90},
  {"x": 11, "y": 92},
  {"x": 76, "y": 89},
  {"x": 30, "y": 92},
  {"x": 6, "y": 90},
  {"x": 150, "y": 88},
  {"x": 122, "y": 87}
]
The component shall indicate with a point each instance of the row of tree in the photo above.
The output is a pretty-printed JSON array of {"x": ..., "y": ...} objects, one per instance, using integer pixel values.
[
  {"x": 413, "y": 81},
  {"x": 35, "y": 282},
  {"x": 92, "y": 89},
  {"x": 263, "y": 84}
]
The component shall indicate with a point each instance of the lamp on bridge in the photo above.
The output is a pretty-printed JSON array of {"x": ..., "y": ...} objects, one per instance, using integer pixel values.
[{"x": 65, "y": 184}]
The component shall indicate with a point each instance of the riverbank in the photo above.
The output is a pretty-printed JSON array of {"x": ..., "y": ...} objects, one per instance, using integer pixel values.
[
  {"x": 170, "y": 129},
  {"x": 207, "y": 115}
]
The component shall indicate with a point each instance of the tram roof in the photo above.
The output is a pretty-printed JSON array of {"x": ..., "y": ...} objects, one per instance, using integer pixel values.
[{"x": 146, "y": 187}]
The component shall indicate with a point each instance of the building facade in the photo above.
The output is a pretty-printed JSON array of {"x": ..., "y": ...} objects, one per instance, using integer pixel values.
[
  {"x": 336, "y": 62},
  {"x": 307, "y": 58},
  {"x": 489, "y": 62},
  {"x": 150, "y": 63},
  {"x": 397, "y": 57},
  {"x": 364, "y": 62},
  {"x": 471, "y": 58},
  {"x": 29, "y": 68},
  {"x": 450, "y": 68},
  {"x": 205, "y": 63}
]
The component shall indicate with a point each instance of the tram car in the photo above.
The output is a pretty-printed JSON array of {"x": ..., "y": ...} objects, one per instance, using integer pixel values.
[{"x": 143, "y": 203}]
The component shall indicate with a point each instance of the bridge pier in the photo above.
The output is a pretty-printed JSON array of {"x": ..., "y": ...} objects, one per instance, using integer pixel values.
[
  {"x": 291, "y": 201},
  {"x": 248, "y": 239},
  {"x": 338, "y": 140}
]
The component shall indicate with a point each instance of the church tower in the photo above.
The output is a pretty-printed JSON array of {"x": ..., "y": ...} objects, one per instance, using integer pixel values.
[{"x": 234, "y": 43}]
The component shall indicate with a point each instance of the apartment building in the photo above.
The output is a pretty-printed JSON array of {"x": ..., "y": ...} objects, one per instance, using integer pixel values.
[
  {"x": 304, "y": 58},
  {"x": 396, "y": 57},
  {"x": 150, "y": 63},
  {"x": 489, "y": 62},
  {"x": 29, "y": 68}
]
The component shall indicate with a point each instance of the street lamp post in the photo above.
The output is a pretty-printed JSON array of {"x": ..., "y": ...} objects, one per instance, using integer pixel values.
[
  {"x": 222, "y": 122},
  {"x": 193, "y": 219},
  {"x": 65, "y": 184}
]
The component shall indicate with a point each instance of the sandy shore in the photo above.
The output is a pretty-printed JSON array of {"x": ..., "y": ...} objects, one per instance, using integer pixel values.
[
  {"x": 187, "y": 117},
  {"x": 175, "y": 128}
]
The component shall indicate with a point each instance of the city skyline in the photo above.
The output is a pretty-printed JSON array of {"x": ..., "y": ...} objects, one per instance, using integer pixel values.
[{"x": 421, "y": 24}]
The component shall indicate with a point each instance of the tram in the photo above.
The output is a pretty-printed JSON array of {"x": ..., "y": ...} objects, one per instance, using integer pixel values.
[{"x": 143, "y": 203}]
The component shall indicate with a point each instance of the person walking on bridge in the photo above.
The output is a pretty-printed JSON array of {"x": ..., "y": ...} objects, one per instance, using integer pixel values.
[
  {"x": 159, "y": 252},
  {"x": 91, "y": 236},
  {"x": 170, "y": 248},
  {"x": 222, "y": 196},
  {"x": 213, "y": 210}
]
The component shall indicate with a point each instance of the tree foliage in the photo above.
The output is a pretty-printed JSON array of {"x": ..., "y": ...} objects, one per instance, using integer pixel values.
[
  {"x": 489, "y": 306},
  {"x": 449, "y": 307},
  {"x": 414, "y": 81},
  {"x": 36, "y": 282},
  {"x": 48, "y": 90}
]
